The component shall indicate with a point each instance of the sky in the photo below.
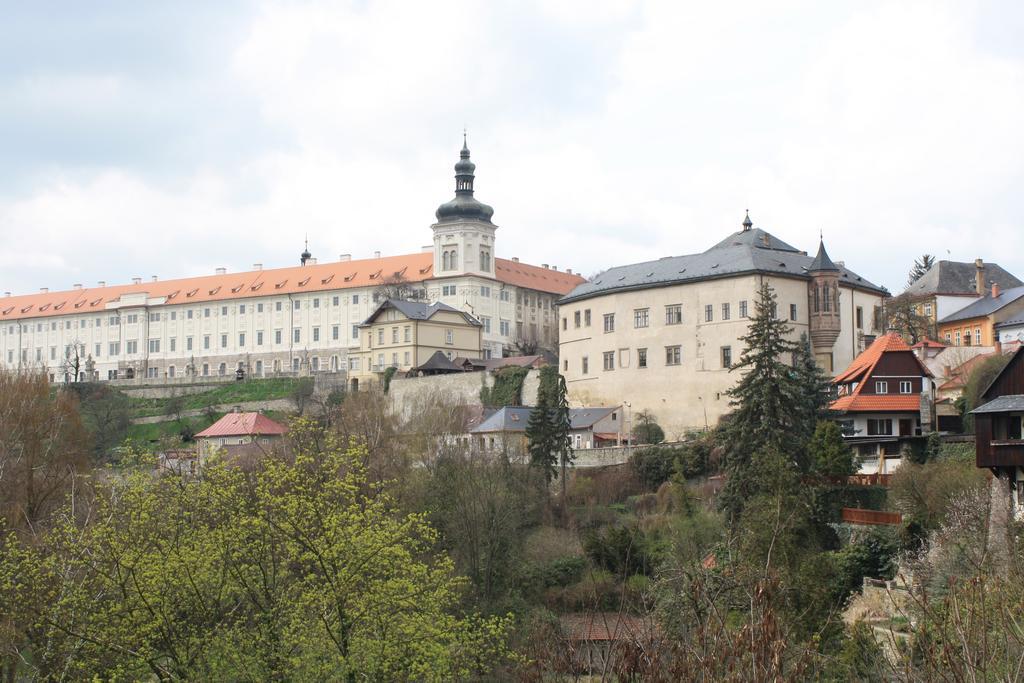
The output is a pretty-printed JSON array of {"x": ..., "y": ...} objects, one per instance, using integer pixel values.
[{"x": 170, "y": 139}]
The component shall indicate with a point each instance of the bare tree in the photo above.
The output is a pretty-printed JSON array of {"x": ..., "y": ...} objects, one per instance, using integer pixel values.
[
  {"x": 396, "y": 286},
  {"x": 74, "y": 361}
]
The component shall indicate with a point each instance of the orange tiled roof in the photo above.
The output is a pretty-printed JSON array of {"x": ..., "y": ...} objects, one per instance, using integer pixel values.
[
  {"x": 292, "y": 280},
  {"x": 243, "y": 424},
  {"x": 862, "y": 367}
]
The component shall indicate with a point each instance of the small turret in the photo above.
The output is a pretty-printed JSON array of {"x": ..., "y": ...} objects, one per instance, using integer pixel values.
[
  {"x": 823, "y": 302},
  {"x": 305, "y": 255}
]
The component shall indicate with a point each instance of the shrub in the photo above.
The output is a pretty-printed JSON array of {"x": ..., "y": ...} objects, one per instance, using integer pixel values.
[
  {"x": 654, "y": 465},
  {"x": 507, "y": 389},
  {"x": 623, "y": 550}
]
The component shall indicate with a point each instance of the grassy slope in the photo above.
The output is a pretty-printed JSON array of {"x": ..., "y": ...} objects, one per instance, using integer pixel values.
[{"x": 237, "y": 392}]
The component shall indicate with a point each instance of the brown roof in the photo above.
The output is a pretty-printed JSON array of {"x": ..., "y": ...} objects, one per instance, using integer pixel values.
[
  {"x": 296, "y": 279},
  {"x": 243, "y": 424},
  {"x": 605, "y": 626},
  {"x": 862, "y": 367}
]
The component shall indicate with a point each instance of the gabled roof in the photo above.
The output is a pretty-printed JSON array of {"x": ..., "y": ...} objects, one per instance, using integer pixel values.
[
  {"x": 318, "y": 277},
  {"x": 961, "y": 373},
  {"x": 514, "y": 418},
  {"x": 986, "y": 305},
  {"x": 243, "y": 424},
  {"x": 861, "y": 369},
  {"x": 1002, "y": 404},
  {"x": 417, "y": 310},
  {"x": 929, "y": 344},
  {"x": 743, "y": 252},
  {"x": 958, "y": 277},
  {"x": 438, "y": 362}
]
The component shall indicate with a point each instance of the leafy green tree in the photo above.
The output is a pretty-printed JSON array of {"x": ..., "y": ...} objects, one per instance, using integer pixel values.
[
  {"x": 298, "y": 569},
  {"x": 763, "y": 419},
  {"x": 831, "y": 455},
  {"x": 647, "y": 429}
]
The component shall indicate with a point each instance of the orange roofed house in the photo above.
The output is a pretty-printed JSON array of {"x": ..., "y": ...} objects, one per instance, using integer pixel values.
[
  {"x": 297, "y": 320},
  {"x": 240, "y": 434},
  {"x": 885, "y": 403}
]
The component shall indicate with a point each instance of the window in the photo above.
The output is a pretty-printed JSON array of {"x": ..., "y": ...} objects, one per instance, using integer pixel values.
[
  {"x": 906, "y": 387},
  {"x": 792, "y": 311},
  {"x": 674, "y": 314},
  {"x": 316, "y": 334},
  {"x": 296, "y": 305},
  {"x": 641, "y": 317},
  {"x": 958, "y": 337},
  {"x": 641, "y": 358},
  {"x": 585, "y": 365},
  {"x": 316, "y": 361},
  {"x": 355, "y": 299},
  {"x": 565, "y": 323},
  {"x": 928, "y": 309},
  {"x": 484, "y": 321},
  {"x": 206, "y": 341},
  {"x": 586, "y": 318},
  {"x": 296, "y": 335},
  {"x": 673, "y": 355},
  {"x": 860, "y": 317},
  {"x": 448, "y": 290},
  {"x": 775, "y": 309},
  {"x": 967, "y": 337},
  {"x": 449, "y": 336},
  {"x": 316, "y": 303},
  {"x": 188, "y": 314},
  {"x": 725, "y": 311},
  {"x": 380, "y": 337},
  {"x": 335, "y": 332},
  {"x": 743, "y": 308},
  {"x": 259, "y": 338},
  {"x": 223, "y": 310},
  {"x": 241, "y": 339},
  {"x": 154, "y": 317},
  {"x": 174, "y": 344},
  {"x": 947, "y": 338},
  {"x": 277, "y": 336},
  {"x": 879, "y": 427},
  {"x": 727, "y": 357},
  {"x": 223, "y": 341},
  {"x": 170, "y": 371},
  {"x": 296, "y": 364},
  {"x": 222, "y": 369},
  {"x": 114, "y": 320},
  {"x": 114, "y": 348},
  {"x": 576, "y": 319},
  {"x": 977, "y": 336},
  {"x": 131, "y": 347},
  {"x": 277, "y": 305},
  {"x": 152, "y": 372},
  {"x": 504, "y": 328},
  {"x": 241, "y": 309},
  {"x": 188, "y": 343},
  {"x": 609, "y": 322},
  {"x": 609, "y": 360},
  {"x": 405, "y": 358},
  {"x": 335, "y": 301},
  {"x": 565, "y": 365},
  {"x": 206, "y": 369},
  {"x": 97, "y": 352},
  {"x": 206, "y": 312},
  {"x": 881, "y": 387},
  {"x": 355, "y": 331},
  {"x": 259, "y": 309},
  {"x": 53, "y": 353},
  {"x": 485, "y": 259},
  {"x": 394, "y": 335},
  {"x": 505, "y": 295},
  {"x": 132, "y": 319},
  {"x": 485, "y": 292},
  {"x": 709, "y": 313}
]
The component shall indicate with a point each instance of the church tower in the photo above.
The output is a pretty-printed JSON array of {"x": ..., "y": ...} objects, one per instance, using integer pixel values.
[
  {"x": 464, "y": 233},
  {"x": 823, "y": 306}
]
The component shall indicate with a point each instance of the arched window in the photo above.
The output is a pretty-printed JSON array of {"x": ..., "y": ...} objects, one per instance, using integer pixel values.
[
  {"x": 454, "y": 261},
  {"x": 828, "y": 299},
  {"x": 445, "y": 264},
  {"x": 485, "y": 260},
  {"x": 817, "y": 299}
]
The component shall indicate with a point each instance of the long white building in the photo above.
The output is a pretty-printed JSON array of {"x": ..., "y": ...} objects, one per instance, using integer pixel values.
[{"x": 296, "y": 319}]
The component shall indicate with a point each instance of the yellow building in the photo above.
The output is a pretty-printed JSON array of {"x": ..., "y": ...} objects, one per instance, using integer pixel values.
[
  {"x": 974, "y": 325},
  {"x": 404, "y": 334}
]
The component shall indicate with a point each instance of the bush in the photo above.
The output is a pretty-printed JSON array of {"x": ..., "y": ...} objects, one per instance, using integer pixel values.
[
  {"x": 654, "y": 466},
  {"x": 623, "y": 550},
  {"x": 507, "y": 389},
  {"x": 872, "y": 555}
]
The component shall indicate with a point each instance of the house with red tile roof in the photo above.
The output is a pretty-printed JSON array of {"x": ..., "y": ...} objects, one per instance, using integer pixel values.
[
  {"x": 240, "y": 434},
  {"x": 301, "y": 319},
  {"x": 884, "y": 402}
]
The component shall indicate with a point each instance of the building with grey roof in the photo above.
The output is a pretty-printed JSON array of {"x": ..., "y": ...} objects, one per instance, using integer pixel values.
[
  {"x": 949, "y": 286},
  {"x": 662, "y": 335}
]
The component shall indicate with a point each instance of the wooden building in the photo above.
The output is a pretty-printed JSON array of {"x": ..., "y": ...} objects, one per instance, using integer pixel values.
[{"x": 998, "y": 430}]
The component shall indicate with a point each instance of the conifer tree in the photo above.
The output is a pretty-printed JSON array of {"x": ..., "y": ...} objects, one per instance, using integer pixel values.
[
  {"x": 813, "y": 399},
  {"x": 764, "y": 419},
  {"x": 547, "y": 429}
]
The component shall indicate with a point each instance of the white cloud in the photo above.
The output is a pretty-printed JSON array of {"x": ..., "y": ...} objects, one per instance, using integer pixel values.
[{"x": 603, "y": 134}]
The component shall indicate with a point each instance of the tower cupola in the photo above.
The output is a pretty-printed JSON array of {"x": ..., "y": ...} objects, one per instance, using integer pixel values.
[{"x": 464, "y": 206}]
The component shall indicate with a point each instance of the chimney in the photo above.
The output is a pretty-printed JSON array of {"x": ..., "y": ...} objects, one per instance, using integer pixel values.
[
  {"x": 995, "y": 290},
  {"x": 554, "y": 267},
  {"x": 101, "y": 283},
  {"x": 77, "y": 285},
  {"x": 44, "y": 290},
  {"x": 569, "y": 271},
  {"x": 376, "y": 254},
  {"x": 515, "y": 259},
  {"x": 6, "y": 294},
  {"x": 154, "y": 278},
  {"x": 979, "y": 277},
  {"x": 257, "y": 266},
  {"x": 998, "y": 346},
  {"x": 221, "y": 271},
  {"x": 136, "y": 280},
  {"x": 544, "y": 266},
  {"x": 345, "y": 257}
]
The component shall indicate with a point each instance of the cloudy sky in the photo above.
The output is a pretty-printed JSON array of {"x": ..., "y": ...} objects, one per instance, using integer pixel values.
[{"x": 168, "y": 139}]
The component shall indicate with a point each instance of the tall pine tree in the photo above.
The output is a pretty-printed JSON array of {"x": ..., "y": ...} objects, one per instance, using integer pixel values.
[
  {"x": 764, "y": 419},
  {"x": 547, "y": 430},
  {"x": 812, "y": 400}
]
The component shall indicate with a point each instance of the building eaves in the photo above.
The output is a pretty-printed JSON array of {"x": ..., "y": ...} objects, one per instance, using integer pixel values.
[{"x": 985, "y": 306}]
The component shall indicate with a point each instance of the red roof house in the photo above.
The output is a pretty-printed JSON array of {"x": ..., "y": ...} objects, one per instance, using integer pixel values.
[
  {"x": 240, "y": 434},
  {"x": 884, "y": 400}
]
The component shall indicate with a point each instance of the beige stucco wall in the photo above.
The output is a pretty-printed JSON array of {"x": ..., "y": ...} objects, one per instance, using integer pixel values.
[{"x": 690, "y": 395}]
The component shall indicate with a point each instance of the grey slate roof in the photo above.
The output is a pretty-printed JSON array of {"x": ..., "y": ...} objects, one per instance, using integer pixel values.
[
  {"x": 1012, "y": 322},
  {"x": 417, "y": 310},
  {"x": 958, "y": 277},
  {"x": 514, "y": 419},
  {"x": 822, "y": 262},
  {"x": 985, "y": 305},
  {"x": 1003, "y": 404},
  {"x": 746, "y": 251},
  {"x": 438, "y": 362}
]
